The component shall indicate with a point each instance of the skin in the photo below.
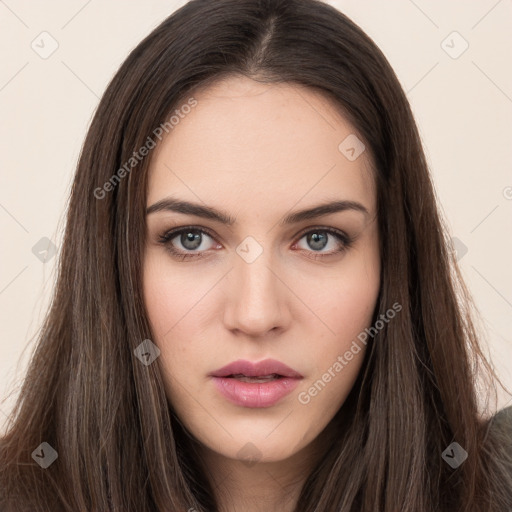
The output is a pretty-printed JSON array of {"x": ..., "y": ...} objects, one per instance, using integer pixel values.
[{"x": 259, "y": 152}]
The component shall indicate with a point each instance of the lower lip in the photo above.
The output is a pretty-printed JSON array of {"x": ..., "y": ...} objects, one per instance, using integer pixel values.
[{"x": 254, "y": 394}]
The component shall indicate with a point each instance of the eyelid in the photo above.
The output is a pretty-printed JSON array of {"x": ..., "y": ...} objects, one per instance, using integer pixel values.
[
  {"x": 173, "y": 232},
  {"x": 328, "y": 229}
]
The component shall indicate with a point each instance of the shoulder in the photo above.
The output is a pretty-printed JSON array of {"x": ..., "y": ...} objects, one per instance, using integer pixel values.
[
  {"x": 502, "y": 419},
  {"x": 501, "y": 426}
]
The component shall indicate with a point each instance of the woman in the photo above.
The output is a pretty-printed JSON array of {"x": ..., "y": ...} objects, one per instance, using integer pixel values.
[{"x": 257, "y": 307}]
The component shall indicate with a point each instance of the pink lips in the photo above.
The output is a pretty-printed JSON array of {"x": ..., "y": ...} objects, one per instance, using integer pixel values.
[{"x": 255, "y": 394}]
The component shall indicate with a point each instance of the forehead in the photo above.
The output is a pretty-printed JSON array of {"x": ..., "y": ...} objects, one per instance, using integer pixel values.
[{"x": 260, "y": 142}]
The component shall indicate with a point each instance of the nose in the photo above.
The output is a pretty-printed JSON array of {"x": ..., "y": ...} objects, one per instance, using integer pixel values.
[{"x": 257, "y": 298}]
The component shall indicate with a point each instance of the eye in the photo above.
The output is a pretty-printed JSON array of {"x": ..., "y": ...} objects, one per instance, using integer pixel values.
[
  {"x": 319, "y": 238},
  {"x": 191, "y": 239},
  {"x": 194, "y": 242}
]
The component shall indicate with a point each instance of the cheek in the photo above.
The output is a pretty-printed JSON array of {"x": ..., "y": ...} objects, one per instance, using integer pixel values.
[
  {"x": 359, "y": 287},
  {"x": 161, "y": 293},
  {"x": 170, "y": 295},
  {"x": 346, "y": 302},
  {"x": 174, "y": 310},
  {"x": 163, "y": 306},
  {"x": 354, "y": 304},
  {"x": 346, "y": 307}
]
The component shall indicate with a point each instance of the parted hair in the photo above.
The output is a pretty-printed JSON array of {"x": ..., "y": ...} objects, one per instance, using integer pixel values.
[{"x": 120, "y": 446}]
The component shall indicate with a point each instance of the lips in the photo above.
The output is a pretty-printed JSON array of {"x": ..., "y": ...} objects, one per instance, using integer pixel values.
[
  {"x": 255, "y": 385},
  {"x": 267, "y": 369}
]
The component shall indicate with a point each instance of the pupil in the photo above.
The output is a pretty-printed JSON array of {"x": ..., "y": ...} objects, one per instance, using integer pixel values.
[
  {"x": 317, "y": 241},
  {"x": 191, "y": 240}
]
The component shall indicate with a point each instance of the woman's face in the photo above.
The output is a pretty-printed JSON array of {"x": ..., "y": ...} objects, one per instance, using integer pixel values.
[{"x": 273, "y": 284}]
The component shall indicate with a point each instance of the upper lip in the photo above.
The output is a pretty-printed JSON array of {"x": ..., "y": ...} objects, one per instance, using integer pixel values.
[{"x": 257, "y": 369}]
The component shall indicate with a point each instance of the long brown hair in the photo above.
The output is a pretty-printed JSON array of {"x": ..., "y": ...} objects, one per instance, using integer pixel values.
[{"x": 120, "y": 446}]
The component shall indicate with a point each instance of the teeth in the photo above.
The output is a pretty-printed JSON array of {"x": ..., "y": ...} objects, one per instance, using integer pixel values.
[{"x": 260, "y": 379}]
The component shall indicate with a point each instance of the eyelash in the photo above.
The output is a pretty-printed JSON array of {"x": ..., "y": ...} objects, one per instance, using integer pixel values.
[{"x": 165, "y": 239}]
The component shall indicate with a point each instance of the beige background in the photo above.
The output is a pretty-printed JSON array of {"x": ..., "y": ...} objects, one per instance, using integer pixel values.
[{"x": 462, "y": 103}]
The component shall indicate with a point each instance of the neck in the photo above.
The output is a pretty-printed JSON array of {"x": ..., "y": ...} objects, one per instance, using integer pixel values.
[{"x": 264, "y": 486}]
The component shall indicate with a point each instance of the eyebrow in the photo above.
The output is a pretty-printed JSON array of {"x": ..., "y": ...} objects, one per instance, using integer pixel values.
[{"x": 207, "y": 212}]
